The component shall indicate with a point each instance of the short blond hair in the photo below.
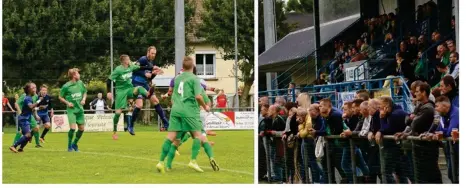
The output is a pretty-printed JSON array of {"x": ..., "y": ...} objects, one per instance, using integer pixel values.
[
  {"x": 150, "y": 48},
  {"x": 123, "y": 56},
  {"x": 72, "y": 71},
  {"x": 188, "y": 63},
  {"x": 301, "y": 111}
]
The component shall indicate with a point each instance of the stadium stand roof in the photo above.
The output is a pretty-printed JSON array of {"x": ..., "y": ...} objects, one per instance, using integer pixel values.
[{"x": 300, "y": 43}]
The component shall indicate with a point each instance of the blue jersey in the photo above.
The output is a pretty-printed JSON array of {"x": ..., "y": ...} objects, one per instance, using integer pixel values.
[
  {"x": 26, "y": 112},
  {"x": 45, "y": 105},
  {"x": 139, "y": 76}
]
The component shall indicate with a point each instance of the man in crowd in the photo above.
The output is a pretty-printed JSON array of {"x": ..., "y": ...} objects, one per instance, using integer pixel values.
[
  {"x": 99, "y": 104},
  {"x": 278, "y": 124},
  {"x": 334, "y": 126},
  {"x": 455, "y": 67},
  {"x": 374, "y": 127},
  {"x": 425, "y": 153},
  {"x": 392, "y": 120},
  {"x": 449, "y": 128},
  {"x": 449, "y": 89}
]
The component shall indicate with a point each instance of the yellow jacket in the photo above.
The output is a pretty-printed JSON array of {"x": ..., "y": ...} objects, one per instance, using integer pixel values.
[{"x": 303, "y": 128}]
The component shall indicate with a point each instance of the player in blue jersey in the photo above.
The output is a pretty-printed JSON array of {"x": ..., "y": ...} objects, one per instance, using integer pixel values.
[
  {"x": 143, "y": 78},
  {"x": 28, "y": 108},
  {"x": 43, "y": 112}
]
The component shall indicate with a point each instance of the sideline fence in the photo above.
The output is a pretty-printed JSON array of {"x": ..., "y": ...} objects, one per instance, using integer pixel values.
[{"x": 401, "y": 157}]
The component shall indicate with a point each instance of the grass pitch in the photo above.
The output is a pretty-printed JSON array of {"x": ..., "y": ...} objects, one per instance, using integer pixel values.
[{"x": 130, "y": 159}]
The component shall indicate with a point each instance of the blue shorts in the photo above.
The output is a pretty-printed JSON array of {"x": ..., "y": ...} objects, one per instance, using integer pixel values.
[
  {"x": 144, "y": 85},
  {"x": 44, "y": 118},
  {"x": 25, "y": 126}
]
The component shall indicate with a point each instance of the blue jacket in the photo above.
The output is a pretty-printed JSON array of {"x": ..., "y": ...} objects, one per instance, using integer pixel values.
[
  {"x": 319, "y": 126},
  {"x": 375, "y": 122},
  {"x": 394, "y": 121},
  {"x": 139, "y": 75},
  {"x": 335, "y": 122},
  {"x": 450, "y": 121}
]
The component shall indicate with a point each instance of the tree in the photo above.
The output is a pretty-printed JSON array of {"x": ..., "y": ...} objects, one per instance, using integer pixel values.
[
  {"x": 42, "y": 39},
  {"x": 217, "y": 27},
  {"x": 282, "y": 27},
  {"x": 301, "y": 6}
]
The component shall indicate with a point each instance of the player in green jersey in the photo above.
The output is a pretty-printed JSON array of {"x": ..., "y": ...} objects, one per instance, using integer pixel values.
[
  {"x": 124, "y": 89},
  {"x": 74, "y": 94},
  {"x": 184, "y": 116},
  {"x": 206, "y": 144},
  {"x": 33, "y": 122}
]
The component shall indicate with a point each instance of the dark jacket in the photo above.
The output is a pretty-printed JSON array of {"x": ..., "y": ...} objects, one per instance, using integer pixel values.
[
  {"x": 293, "y": 126},
  {"x": 278, "y": 124},
  {"x": 334, "y": 122},
  {"x": 352, "y": 122},
  {"x": 375, "y": 123},
  {"x": 454, "y": 97},
  {"x": 423, "y": 118},
  {"x": 450, "y": 121},
  {"x": 394, "y": 121},
  {"x": 319, "y": 126},
  {"x": 94, "y": 102}
]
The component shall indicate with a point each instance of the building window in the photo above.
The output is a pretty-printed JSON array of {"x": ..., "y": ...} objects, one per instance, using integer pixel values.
[{"x": 205, "y": 64}]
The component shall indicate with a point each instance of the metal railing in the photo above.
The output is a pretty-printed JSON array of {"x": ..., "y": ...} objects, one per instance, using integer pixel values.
[{"x": 351, "y": 139}]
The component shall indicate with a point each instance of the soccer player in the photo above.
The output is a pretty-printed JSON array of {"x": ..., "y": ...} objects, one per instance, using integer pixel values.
[
  {"x": 24, "y": 118},
  {"x": 207, "y": 146},
  {"x": 124, "y": 89},
  {"x": 184, "y": 116},
  {"x": 74, "y": 94},
  {"x": 32, "y": 122},
  {"x": 43, "y": 112},
  {"x": 143, "y": 78}
]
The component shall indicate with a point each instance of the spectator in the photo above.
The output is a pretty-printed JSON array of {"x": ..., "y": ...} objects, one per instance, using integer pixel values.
[
  {"x": 443, "y": 54},
  {"x": 99, "y": 104},
  {"x": 303, "y": 100},
  {"x": 454, "y": 67},
  {"x": 289, "y": 135},
  {"x": 443, "y": 70},
  {"x": 6, "y": 103},
  {"x": 277, "y": 152},
  {"x": 292, "y": 91},
  {"x": 422, "y": 43},
  {"x": 317, "y": 129},
  {"x": 352, "y": 116},
  {"x": 450, "y": 120},
  {"x": 262, "y": 101},
  {"x": 264, "y": 149},
  {"x": 421, "y": 69},
  {"x": 306, "y": 133},
  {"x": 280, "y": 102},
  {"x": 362, "y": 94},
  {"x": 392, "y": 120},
  {"x": 366, "y": 119},
  {"x": 449, "y": 89},
  {"x": 413, "y": 46},
  {"x": 404, "y": 69},
  {"x": 451, "y": 46},
  {"x": 357, "y": 56},
  {"x": 407, "y": 55},
  {"x": 321, "y": 80},
  {"x": 221, "y": 99},
  {"x": 374, "y": 127},
  {"x": 426, "y": 153},
  {"x": 335, "y": 126}
]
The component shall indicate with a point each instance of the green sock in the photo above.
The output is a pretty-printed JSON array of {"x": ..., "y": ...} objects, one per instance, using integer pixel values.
[
  {"x": 195, "y": 149},
  {"x": 171, "y": 155},
  {"x": 17, "y": 137},
  {"x": 78, "y": 136},
  {"x": 208, "y": 150},
  {"x": 185, "y": 138},
  {"x": 165, "y": 149},
  {"x": 70, "y": 137},
  {"x": 116, "y": 118},
  {"x": 36, "y": 137}
]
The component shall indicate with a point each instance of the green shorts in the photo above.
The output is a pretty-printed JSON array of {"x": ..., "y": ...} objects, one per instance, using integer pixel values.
[
  {"x": 75, "y": 117},
  {"x": 184, "y": 124},
  {"x": 33, "y": 122},
  {"x": 122, "y": 96}
]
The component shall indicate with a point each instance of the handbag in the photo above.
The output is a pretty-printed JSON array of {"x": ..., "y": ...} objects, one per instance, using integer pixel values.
[{"x": 320, "y": 144}]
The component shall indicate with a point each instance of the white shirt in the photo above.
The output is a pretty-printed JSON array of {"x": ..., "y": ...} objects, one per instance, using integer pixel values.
[
  {"x": 100, "y": 107},
  {"x": 366, "y": 126}
]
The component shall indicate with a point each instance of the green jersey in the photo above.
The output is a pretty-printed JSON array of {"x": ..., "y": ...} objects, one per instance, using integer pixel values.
[
  {"x": 187, "y": 87},
  {"x": 122, "y": 76},
  {"x": 73, "y": 92}
]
